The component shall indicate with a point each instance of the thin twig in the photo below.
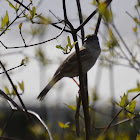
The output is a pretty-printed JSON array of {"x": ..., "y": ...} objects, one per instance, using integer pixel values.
[
  {"x": 81, "y": 19},
  {"x": 14, "y": 88},
  {"x": 87, "y": 20},
  {"x": 26, "y": 7},
  {"x": 10, "y": 100},
  {"x": 18, "y": 16},
  {"x": 98, "y": 24},
  {"x": 15, "y": 107},
  {"x": 124, "y": 44},
  {"x": 13, "y": 68},
  {"x": 35, "y": 43},
  {"x": 118, "y": 114},
  {"x": 22, "y": 38},
  {"x": 91, "y": 15}
]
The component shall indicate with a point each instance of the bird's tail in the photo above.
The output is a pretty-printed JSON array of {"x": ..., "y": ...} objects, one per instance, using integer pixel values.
[{"x": 46, "y": 89}]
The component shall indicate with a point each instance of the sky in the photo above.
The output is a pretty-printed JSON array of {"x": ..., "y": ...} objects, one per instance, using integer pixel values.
[{"x": 36, "y": 77}]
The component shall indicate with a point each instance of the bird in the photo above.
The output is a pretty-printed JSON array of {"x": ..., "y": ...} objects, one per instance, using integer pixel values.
[{"x": 89, "y": 53}]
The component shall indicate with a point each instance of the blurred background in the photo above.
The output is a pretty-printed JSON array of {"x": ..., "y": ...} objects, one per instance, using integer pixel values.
[{"x": 113, "y": 74}]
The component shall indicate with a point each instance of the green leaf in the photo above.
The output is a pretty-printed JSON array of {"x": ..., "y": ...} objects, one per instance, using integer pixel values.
[
  {"x": 59, "y": 47},
  {"x": 7, "y": 90},
  {"x": 13, "y": 92},
  {"x": 22, "y": 62},
  {"x": 31, "y": 16},
  {"x": 6, "y": 19},
  {"x": 134, "y": 90},
  {"x": 33, "y": 12},
  {"x": 16, "y": 6},
  {"x": 138, "y": 137},
  {"x": 44, "y": 20},
  {"x": 66, "y": 49},
  {"x": 94, "y": 2},
  {"x": 70, "y": 106},
  {"x": 105, "y": 12},
  {"x": 73, "y": 45},
  {"x": 69, "y": 42},
  {"x": 11, "y": 5},
  {"x": 132, "y": 106},
  {"x": 124, "y": 100},
  {"x": 20, "y": 25},
  {"x": 101, "y": 137},
  {"x": 66, "y": 125},
  {"x": 136, "y": 20},
  {"x": 2, "y": 21},
  {"x": 117, "y": 104},
  {"x": 137, "y": 89},
  {"x": 135, "y": 29},
  {"x": 102, "y": 7},
  {"x": 21, "y": 85},
  {"x": 62, "y": 125}
]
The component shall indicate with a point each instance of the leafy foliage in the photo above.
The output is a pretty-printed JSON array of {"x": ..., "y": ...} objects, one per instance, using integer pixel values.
[
  {"x": 103, "y": 10},
  {"x": 68, "y": 47},
  {"x": 64, "y": 126},
  {"x": 137, "y": 89},
  {"x": 71, "y": 107},
  {"x": 114, "y": 52},
  {"x": 16, "y": 8},
  {"x": 12, "y": 92},
  {"x": 5, "y": 22}
]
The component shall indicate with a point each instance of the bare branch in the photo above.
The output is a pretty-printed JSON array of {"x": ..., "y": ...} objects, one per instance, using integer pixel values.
[
  {"x": 14, "y": 88},
  {"x": 13, "y": 68},
  {"x": 118, "y": 114},
  {"x": 18, "y": 47}
]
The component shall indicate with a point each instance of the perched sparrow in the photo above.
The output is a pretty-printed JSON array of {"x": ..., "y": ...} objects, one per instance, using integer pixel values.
[{"x": 89, "y": 53}]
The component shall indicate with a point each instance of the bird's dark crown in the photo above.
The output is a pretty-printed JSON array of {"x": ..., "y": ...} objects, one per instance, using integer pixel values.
[{"x": 91, "y": 38}]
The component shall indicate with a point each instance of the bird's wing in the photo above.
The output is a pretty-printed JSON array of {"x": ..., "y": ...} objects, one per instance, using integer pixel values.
[{"x": 71, "y": 64}]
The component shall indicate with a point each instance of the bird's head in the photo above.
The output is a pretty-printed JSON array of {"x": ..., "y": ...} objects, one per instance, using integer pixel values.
[{"x": 91, "y": 41}]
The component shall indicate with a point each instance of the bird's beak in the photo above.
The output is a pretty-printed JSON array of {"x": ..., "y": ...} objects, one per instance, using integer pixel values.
[{"x": 85, "y": 39}]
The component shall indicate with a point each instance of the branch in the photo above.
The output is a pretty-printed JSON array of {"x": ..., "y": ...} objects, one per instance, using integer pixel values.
[
  {"x": 119, "y": 113},
  {"x": 13, "y": 68},
  {"x": 112, "y": 121},
  {"x": 77, "y": 116},
  {"x": 80, "y": 19},
  {"x": 87, "y": 20},
  {"x": 22, "y": 37},
  {"x": 84, "y": 95},
  {"x": 15, "y": 107},
  {"x": 26, "y": 7},
  {"x": 14, "y": 88},
  {"x": 18, "y": 16},
  {"x": 91, "y": 15},
  {"x": 17, "y": 47},
  {"x": 79, "y": 99},
  {"x": 10, "y": 100},
  {"x": 124, "y": 43},
  {"x": 98, "y": 24}
]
